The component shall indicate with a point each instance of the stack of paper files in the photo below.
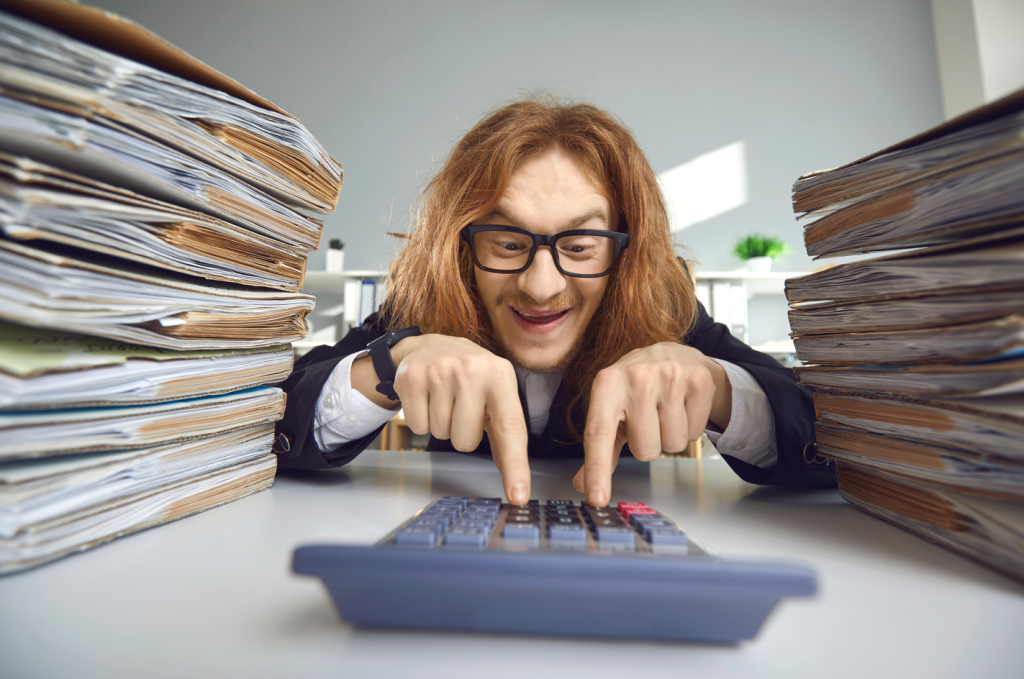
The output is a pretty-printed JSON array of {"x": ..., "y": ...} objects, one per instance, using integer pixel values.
[
  {"x": 918, "y": 356},
  {"x": 155, "y": 222}
]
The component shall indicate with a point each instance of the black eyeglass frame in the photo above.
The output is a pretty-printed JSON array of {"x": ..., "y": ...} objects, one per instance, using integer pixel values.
[{"x": 621, "y": 243}]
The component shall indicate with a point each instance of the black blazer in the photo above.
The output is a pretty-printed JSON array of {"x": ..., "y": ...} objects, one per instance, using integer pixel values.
[{"x": 791, "y": 405}]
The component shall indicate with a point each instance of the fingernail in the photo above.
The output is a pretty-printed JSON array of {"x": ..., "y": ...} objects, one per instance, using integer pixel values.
[
  {"x": 519, "y": 494},
  {"x": 597, "y": 497}
]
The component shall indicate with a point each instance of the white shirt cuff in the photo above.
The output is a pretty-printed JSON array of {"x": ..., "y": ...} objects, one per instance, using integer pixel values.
[
  {"x": 750, "y": 436},
  {"x": 343, "y": 414}
]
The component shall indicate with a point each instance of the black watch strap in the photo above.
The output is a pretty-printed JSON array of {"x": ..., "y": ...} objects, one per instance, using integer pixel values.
[{"x": 380, "y": 354}]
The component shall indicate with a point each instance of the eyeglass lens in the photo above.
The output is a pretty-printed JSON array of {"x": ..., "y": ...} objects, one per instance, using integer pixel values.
[{"x": 509, "y": 251}]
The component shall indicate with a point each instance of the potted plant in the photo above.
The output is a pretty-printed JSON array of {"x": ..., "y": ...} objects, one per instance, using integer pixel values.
[{"x": 758, "y": 250}]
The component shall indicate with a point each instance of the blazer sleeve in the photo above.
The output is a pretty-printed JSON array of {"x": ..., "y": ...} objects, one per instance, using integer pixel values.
[
  {"x": 792, "y": 407},
  {"x": 294, "y": 442}
]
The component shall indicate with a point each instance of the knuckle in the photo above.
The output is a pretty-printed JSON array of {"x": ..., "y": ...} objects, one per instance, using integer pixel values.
[
  {"x": 648, "y": 455},
  {"x": 674, "y": 447},
  {"x": 440, "y": 427},
  {"x": 466, "y": 444},
  {"x": 417, "y": 427},
  {"x": 502, "y": 367},
  {"x": 410, "y": 379},
  {"x": 598, "y": 429},
  {"x": 510, "y": 424},
  {"x": 605, "y": 379},
  {"x": 597, "y": 467},
  {"x": 703, "y": 380}
]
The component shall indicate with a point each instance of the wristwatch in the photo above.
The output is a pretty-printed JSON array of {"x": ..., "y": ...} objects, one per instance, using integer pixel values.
[{"x": 380, "y": 354}]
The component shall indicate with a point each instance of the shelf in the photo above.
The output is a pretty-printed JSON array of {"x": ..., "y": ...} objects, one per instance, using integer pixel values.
[
  {"x": 767, "y": 283},
  {"x": 330, "y": 281},
  {"x": 748, "y": 275}
]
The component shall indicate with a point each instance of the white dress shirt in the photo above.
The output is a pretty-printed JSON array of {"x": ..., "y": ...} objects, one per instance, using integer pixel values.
[{"x": 343, "y": 414}]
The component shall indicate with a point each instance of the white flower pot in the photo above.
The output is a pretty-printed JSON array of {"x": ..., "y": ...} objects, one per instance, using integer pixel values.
[{"x": 758, "y": 264}]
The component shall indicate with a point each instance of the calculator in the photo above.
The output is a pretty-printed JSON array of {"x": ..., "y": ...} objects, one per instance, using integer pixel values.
[{"x": 557, "y": 568}]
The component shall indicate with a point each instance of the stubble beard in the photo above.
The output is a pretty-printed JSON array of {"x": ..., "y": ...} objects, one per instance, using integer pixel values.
[{"x": 502, "y": 349}]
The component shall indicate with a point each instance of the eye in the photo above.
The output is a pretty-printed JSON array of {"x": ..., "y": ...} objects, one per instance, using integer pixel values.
[
  {"x": 511, "y": 246},
  {"x": 577, "y": 247}
]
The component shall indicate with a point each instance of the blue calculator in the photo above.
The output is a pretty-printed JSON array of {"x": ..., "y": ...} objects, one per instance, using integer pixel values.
[{"x": 557, "y": 568}]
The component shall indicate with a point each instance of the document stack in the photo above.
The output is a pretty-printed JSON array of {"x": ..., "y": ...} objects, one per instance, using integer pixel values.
[
  {"x": 918, "y": 356},
  {"x": 155, "y": 221}
]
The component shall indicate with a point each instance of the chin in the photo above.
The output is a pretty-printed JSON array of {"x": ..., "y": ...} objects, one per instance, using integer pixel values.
[{"x": 541, "y": 361}]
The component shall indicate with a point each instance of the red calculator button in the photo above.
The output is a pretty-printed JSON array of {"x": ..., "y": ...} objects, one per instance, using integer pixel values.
[
  {"x": 631, "y": 505},
  {"x": 626, "y": 513}
]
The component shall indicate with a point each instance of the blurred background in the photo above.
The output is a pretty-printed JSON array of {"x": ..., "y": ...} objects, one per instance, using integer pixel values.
[{"x": 731, "y": 100}]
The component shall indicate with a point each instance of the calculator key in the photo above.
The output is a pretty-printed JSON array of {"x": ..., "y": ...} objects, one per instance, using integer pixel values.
[
  {"x": 533, "y": 502},
  {"x": 487, "y": 501},
  {"x": 479, "y": 516},
  {"x": 666, "y": 536},
  {"x": 643, "y": 527},
  {"x": 415, "y": 536},
  {"x": 640, "y": 519},
  {"x": 447, "y": 507},
  {"x": 459, "y": 537},
  {"x": 631, "y": 505},
  {"x": 560, "y": 503},
  {"x": 521, "y": 531},
  {"x": 643, "y": 511},
  {"x": 596, "y": 515},
  {"x": 573, "y": 532},
  {"x": 483, "y": 525},
  {"x": 565, "y": 521},
  {"x": 618, "y": 534},
  {"x": 452, "y": 498},
  {"x": 429, "y": 524},
  {"x": 609, "y": 523},
  {"x": 520, "y": 519},
  {"x": 437, "y": 516}
]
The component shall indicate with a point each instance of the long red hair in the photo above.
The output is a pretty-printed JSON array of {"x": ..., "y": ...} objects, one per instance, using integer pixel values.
[{"x": 649, "y": 298}]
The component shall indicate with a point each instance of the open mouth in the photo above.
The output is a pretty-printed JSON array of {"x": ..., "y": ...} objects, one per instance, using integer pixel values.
[{"x": 541, "y": 319}]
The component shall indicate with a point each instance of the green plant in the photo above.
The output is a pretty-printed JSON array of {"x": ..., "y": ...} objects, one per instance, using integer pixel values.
[{"x": 759, "y": 245}]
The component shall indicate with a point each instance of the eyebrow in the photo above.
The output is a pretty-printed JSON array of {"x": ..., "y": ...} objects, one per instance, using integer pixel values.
[{"x": 575, "y": 222}]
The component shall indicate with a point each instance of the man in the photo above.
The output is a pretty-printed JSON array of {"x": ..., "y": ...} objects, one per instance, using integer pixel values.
[{"x": 556, "y": 321}]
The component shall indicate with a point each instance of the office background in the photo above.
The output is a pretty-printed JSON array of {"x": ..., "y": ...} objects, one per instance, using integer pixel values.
[{"x": 781, "y": 88}]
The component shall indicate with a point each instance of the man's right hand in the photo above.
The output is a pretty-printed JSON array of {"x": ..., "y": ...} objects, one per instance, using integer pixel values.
[{"x": 455, "y": 389}]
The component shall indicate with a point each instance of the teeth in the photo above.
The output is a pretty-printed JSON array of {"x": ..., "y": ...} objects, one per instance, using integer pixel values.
[{"x": 523, "y": 313}]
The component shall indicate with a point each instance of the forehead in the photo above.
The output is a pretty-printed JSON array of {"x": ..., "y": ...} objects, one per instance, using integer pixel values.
[{"x": 550, "y": 190}]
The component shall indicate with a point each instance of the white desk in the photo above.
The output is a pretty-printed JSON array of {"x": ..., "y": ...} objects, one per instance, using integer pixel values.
[{"x": 213, "y": 596}]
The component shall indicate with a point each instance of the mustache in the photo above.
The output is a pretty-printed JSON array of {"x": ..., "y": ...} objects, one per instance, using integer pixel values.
[{"x": 560, "y": 302}]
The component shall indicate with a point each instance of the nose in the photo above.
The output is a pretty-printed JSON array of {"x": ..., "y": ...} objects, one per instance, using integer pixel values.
[{"x": 542, "y": 280}]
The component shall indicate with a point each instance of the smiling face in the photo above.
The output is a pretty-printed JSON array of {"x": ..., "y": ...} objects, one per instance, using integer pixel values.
[{"x": 539, "y": 316}]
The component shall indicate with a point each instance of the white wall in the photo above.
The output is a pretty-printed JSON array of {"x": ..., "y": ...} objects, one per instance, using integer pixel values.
[
  {"x": 388, "y": 87},
  {"x": 980, "y": 47},
  {"x": 1000, "y": 25}
]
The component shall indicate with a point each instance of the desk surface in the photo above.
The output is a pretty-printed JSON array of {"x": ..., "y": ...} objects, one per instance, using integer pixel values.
[{"x": 212, "y": 595}]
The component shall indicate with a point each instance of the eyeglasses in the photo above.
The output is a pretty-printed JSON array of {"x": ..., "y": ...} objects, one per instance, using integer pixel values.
[{"x": 583, "y": 253}]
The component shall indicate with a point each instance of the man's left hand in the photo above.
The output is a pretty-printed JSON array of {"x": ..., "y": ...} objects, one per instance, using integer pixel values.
[{"x": 657, "y": 398}]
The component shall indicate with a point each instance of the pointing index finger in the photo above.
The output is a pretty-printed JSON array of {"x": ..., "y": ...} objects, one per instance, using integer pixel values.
[
  {"x": 506, "y": 428},
  {"x": 601, "y": 443}
]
